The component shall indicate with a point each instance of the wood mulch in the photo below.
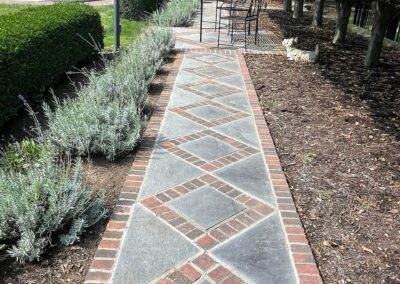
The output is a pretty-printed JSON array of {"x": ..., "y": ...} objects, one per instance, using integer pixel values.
[
  {"x": 336, "y": 126},
  {"x": 70, "y": 264}
]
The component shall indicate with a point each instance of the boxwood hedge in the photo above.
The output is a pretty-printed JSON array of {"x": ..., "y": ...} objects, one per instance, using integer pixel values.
[{"x": 39, "y": 44}]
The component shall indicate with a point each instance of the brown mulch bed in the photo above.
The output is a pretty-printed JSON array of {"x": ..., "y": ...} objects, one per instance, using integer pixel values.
[
  {"x": 336, "y": 126},
  {"x": 70, "y": 264}
]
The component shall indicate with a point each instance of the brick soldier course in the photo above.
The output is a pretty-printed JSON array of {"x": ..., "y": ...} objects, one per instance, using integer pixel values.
[{"x": 206, "y": 200}]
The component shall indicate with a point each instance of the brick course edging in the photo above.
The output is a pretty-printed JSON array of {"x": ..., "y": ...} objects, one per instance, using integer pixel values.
[
  {"x": 302, "y": 256},
  {"x": 101, "y": 268}
]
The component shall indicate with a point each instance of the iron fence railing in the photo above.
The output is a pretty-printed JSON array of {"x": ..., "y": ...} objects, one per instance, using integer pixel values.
[{"x": 363, "y": 17}]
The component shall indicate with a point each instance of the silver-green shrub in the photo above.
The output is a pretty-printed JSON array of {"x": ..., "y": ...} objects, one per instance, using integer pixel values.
[
  {"x": 176, "y": 13},
  {"x": 107, "y": 116},
  {"x": 43, "y": 205}
]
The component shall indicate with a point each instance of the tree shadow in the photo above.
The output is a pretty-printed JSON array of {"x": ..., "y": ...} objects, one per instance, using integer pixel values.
[{"x": 343, "y": 66}]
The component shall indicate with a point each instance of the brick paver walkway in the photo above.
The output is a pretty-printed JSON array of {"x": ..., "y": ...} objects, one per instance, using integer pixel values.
[{"x": 206, "y": 200}]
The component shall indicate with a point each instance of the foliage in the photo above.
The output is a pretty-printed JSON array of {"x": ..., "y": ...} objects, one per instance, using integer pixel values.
[
  {"x": 107, "y": 116},
  {"x": 43, "y": 205},
  {"x": 21, "y": 155},
  {"x": 130, "y": 30},
  {"x": 137, "y": 9},
  {"x": 176, "y": 13},
  {"x": 38, "y": 44}
]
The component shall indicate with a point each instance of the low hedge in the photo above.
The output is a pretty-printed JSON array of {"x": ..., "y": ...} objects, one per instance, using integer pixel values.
[
  {"x": 39, "y": 44},
  {"x": 137, "y": 9}
]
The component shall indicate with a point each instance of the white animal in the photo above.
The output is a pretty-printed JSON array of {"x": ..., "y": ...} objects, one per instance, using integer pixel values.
[{"x": 298, "y": 54}]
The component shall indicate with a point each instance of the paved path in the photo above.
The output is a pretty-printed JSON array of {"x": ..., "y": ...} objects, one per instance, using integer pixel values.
[{"x": 206, "y": 200}]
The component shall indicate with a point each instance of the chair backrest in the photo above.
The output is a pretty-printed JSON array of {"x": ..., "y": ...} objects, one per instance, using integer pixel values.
[{"x": 255, "y": 7}]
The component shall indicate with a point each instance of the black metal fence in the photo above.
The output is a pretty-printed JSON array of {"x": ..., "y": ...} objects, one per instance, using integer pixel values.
[{"x": 363, "y": 17}]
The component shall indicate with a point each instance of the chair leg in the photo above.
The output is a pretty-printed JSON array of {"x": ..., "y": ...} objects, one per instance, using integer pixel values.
[
  {"x": 219, "y": 27},
  {"x": 216, "y": 17},
  {"x": 233, "y": 24},
  {"x": 245, "y": 35},
  {"x": 257, "y": 35}
]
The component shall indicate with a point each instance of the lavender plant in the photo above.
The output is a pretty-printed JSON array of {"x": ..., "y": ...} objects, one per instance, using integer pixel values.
[
  {"x": 176, "y": 13},
  {"x": 43, "y": 205},
  {"x": 107, "y": 116}
]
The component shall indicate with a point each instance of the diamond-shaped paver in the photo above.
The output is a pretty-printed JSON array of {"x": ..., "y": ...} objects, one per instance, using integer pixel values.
[
  {"x": 206, "y": 207},
  {"x": 209, "y": 112},
  {"x": 208, "y": 148}
]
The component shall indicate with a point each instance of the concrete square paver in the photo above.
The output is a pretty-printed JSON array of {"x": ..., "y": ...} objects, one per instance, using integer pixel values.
[{"x": 206, "y": 206}]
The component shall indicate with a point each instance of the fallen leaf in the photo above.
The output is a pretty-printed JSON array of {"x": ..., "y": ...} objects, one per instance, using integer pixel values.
[{"x": 367, "y": 249}]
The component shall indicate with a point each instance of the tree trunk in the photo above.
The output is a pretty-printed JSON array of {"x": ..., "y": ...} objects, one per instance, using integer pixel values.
[
  {"x": 343, "y": 10},
  {"x": 287, "y": 6},
  {"x": 298, "y": 9},
  {"x": 318, "y": 13},
  {"x": 392, "y": 28},
  {"x": 383, "y": 15}
]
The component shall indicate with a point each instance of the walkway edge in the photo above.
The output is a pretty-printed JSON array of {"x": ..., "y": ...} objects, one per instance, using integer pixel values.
[
  {"x": 301, "y": 254},
  {"x": 105, "y": 259}
]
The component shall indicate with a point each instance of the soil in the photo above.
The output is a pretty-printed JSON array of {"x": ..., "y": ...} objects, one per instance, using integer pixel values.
[
  {"x": 70, "y": 264},
  {"x": 336, "y": 126}
]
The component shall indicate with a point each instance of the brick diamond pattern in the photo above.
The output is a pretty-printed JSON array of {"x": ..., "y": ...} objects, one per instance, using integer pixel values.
[
  {"x": 244, "y": 151},
  {"x": 254, "y": 211}
]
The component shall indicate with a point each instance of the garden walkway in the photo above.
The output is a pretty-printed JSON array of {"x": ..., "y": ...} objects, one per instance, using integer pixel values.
[{"x": 206, "y": 200}]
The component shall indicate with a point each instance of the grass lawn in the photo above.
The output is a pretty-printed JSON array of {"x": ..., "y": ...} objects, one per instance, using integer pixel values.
[
  {"x": 129, "y": 29},
  {"x": 9, "y": 8}
]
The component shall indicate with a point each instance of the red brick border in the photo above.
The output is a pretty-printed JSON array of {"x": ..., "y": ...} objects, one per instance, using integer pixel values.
[
  {"x": 101, "y": 268},
  {"x": 302, "y": 257}
]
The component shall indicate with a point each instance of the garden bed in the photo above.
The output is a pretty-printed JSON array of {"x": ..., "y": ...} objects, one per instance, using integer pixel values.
[
  {"x": 70, "y": 264},
  {"x": 336, "y": 128}
]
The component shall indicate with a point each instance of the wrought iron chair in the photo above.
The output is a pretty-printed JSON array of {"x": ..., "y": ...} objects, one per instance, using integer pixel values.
[
  {"x": 244, "y": 15},
  {"x": 226, "y": 5}
]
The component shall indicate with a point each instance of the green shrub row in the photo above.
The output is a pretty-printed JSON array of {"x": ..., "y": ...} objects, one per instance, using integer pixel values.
[
  {"x": 107, "y": 116},
  {"x": 43, "y": 202},
  {"x": 39, "y": 44},
  {"x": 176, "y": 13},
  {"x": 137, "y": 9}
]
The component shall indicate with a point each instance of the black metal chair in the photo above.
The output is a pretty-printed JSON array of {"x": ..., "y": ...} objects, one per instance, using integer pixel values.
[
  {"x": 245, "y": 16},
  {"x": 226, "y": 5}
]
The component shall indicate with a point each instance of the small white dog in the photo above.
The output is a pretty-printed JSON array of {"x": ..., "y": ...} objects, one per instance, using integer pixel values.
[{"x": 298, "y": 54}]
